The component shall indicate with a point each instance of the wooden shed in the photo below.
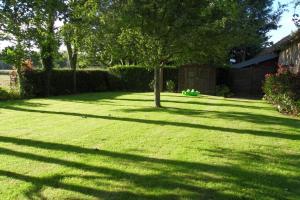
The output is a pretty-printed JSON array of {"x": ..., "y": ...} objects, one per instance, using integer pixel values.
[
  {"x": 198, "y": 77},
  {"x": 246, "y": 78},
  {"x": 289, "y": 52}
]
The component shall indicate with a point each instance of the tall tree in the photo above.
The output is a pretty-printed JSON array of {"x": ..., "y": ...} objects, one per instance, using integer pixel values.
[
  {"x": 76, "y": 19},
  {"x": 43, "y": 31},
  {"x": 254, "y": 20},
  {"x": 32, "y": 22},
  {"x": 14, "y": 21},
  {"x": 159, "y": 32}
]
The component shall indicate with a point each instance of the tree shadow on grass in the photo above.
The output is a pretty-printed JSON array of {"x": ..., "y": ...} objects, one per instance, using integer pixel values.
[
  {"x": 294, "y": 136},
  {"x": 116, "y": 97},
  {"x": 91, "y": 97},
  {"x": 169, "y": 175},
  {"x": 26, "y": 103},
  {"x": 199, "y": 103},
  {"x": 289, "y": 161},
  {"x": 240, "y": 116},
  {"x": 162, "y": 181}
]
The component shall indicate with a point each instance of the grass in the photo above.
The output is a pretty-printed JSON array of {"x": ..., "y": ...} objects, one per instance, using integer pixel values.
[{"x": 116, "y": 146}]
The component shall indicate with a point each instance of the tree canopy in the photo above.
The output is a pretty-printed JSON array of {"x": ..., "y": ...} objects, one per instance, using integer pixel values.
[{"x": 153, "y": 33}]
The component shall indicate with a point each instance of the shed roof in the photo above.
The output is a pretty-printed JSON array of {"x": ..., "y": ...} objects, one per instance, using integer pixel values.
[
  {"x": 293, "y": 37},
  {"x": 253, "y": 61}
]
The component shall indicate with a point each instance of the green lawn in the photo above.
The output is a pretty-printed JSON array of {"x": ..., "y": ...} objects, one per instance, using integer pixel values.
[{"x": 116, "y": 146}]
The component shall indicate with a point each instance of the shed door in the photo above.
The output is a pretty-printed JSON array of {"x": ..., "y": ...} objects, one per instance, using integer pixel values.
[
  {"x": 197, "y": 78},
  {"x": 192, "y": 78}
]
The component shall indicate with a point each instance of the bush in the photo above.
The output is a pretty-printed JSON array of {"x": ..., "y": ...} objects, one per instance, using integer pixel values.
[
  {"x": 8, "y": 95},
  {"x": 170, "y": 85},
  {"x": 118, "y": 78},
  {"x": 62, "y": 82},
  {"x": 133, "y": 78},
  {"x": 282, "y": 90},
  {"x": 223, "y": 91},
  {"x": 4, "y": 94},
  {"x": 137, "y": 78},
  {"x": 171, "y": 74}
]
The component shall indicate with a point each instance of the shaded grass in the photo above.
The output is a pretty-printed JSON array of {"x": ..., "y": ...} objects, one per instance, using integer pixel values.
[{"x": 116, "y": 146}]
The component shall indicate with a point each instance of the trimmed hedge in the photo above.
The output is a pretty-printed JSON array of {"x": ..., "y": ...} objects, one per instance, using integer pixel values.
[
  {"x": 133, "y": 78},
  {"x": 62, "y": 82},
  {"x": 137, "y": 78},
  {"x": 119, "y": 78}
]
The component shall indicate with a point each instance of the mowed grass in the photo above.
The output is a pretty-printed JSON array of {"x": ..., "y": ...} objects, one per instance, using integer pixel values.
[{"x": 117, "y": 146}]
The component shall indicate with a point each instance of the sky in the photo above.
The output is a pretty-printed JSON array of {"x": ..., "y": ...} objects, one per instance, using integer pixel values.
[
  {"x": 286, "y": 22},
  {"x": 287, "y": 25}
]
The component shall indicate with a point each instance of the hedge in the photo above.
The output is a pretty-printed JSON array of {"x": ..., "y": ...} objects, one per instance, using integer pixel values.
[
  {"x": 137, "y": 78},
  {"x": 118, "y": 78},
  {"x": 62, "y": 82}
]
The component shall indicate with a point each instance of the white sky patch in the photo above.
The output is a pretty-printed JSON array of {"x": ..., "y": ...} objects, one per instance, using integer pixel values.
[{"x": 286, "y": 22}]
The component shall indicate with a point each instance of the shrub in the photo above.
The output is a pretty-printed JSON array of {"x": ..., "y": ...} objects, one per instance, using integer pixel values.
[
  {"x": 4, "y": 94},
  {"x": 171, "y": 74},
  {"x": 223, "y": 91},
  {"x": 138, "y": 78},
  {"x": 170, "y": 85},
  {"x": 133, "y": 78},
  {"x": 282, "y": 90},
  {"x": 62, "y": 82},
  {"x": 118, "y": 78},
  {"x": 8, "y": 95}
]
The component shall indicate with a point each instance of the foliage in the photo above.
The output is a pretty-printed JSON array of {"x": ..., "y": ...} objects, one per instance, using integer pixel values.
[
  {"x": 140, "y": 78},
  {"x": 223, "y": 91},
  {"x": 4, "y": 94},
  {"x": 150, "y": 33},
  {"x": 62, "y": 82},
  {"x": 282, "y": 89},
  {"x": 9, "y": 56},
  {"x": 118, "y": 78},
  {"x": 134, "y": 78},
  {"x": 9, "y": 94},
  {"x": 61, "y": 60},
  {"x": 170, "y": 86},
  {"x": 253, "y": 21}
]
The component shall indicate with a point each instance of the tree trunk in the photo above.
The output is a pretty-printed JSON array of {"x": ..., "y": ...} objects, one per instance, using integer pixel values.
[
  {"x": 18, "y": 65},
  {"x": 72, "y": 53},
  {"x": 74, "y": 68},
  {"x": 161, "y": 81},
  {"x": 47, "y": 60},
  {"x": 157, "y": 87},
  {"x": 47, "y": 53}
]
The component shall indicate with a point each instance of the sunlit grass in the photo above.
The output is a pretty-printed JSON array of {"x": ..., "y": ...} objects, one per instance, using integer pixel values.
[{"x": 117, "y": 146}]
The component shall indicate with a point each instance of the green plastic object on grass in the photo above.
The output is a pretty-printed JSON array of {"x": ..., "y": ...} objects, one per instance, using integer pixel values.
[{"x": 191, "y": 92}]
